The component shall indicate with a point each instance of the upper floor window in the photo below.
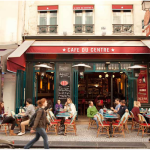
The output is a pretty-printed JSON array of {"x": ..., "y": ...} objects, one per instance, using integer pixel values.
[
  {"x": 122, "y": 18},
  {"x": 84, "y": 20},
  {"x": 47, "y": 22}
]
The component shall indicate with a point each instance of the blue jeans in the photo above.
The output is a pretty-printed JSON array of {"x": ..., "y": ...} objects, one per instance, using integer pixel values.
[
  {"x": 39, "y": 132},
  {"x": 96, "y": 121}
]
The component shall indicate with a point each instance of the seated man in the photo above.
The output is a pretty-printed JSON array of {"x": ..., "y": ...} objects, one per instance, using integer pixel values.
[
  {"x": 123, "y": 108},
  {"x": 117, "y": 102},
  {"x": 30, "y": 110},
  {"x": 92, "y": 111}
]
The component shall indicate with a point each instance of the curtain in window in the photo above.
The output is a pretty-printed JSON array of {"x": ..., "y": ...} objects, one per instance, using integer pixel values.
[
  {"x": 43, "y": 18},
  {"x": 89, "y": 18},
  {"x": 53, "y": 18},
  {"x": 78, "y": 17},
  {"x": 127, "y": 18},
  {"x": 117, "y": 18}
]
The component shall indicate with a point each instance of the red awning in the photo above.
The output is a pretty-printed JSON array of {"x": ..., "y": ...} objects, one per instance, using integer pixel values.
[
  {"x": 48, "y": 8},
  {"x": 83, "y": 7},
  {"x": 88, "y": 50},
  {"x": 16, "y": 63},
  {"x": 122, "y": 7}
]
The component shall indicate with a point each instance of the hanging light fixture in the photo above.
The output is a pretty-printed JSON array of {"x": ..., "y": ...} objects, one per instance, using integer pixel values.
[
  {"x": 113, "y": 76},
  {"x": 106, "y": 76},
  {"x": 100, "y": 76}
]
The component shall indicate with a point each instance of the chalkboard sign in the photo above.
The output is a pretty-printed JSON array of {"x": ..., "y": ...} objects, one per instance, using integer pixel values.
[{"x": 64, "y": 87}]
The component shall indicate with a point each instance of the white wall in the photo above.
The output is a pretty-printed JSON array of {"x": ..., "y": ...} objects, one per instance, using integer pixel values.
[
  {"x": 102, "y": 15},
  {"x": 9, "y": 91}
]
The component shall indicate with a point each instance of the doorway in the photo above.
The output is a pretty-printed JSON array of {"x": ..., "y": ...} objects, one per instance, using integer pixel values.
[{"x": 102, "y": 88}]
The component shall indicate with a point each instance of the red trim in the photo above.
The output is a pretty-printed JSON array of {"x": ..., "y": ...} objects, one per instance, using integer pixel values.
[
  {"x": 88, "y": 50},
  {"x": 51, "y": 7},
  {"x": 122, "y": 7},
  {"x": 18, "y": 63},
  {"x": 83, "y": 7}
]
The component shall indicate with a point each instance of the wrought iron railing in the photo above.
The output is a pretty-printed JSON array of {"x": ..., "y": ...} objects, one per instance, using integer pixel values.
[
  {"x": 47, "y": 28},
  {"x": 83, "y": 28},
  {"x": 123, "y": 28}
]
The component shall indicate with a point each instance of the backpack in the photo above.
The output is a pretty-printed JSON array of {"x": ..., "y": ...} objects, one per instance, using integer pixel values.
[{"x": 32, "y": 119}]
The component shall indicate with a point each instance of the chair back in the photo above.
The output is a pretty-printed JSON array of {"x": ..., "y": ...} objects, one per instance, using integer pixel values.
[
  {"x": 122, "y": 119},
  {"x": 51, "y": 115},
  {"x": 48, "y": 118},
  {"x": 126, "y": 114},
  {"x": 73, "y": 118},
  {"x": 101, "y": 116},
  {"x": 99, "y": 119},
  {"x": 132, "y": 115},
  {"x": 13, "y": 114},
  {"x": 142, "y": 119}
]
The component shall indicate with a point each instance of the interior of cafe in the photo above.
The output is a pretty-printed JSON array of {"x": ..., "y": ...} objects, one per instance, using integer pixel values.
[{"x": 96, "y": 87}]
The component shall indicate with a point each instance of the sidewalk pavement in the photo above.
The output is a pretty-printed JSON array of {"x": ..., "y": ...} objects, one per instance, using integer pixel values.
[{"x": 86, "y": 138}]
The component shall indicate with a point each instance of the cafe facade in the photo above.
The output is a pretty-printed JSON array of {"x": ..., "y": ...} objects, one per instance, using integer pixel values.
[
  {"x": 63, "y": 80},
  {"x": 105, "y": 35}
]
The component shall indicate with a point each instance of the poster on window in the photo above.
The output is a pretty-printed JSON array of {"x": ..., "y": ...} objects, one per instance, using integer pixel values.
[{"x": 142, "y": 90}]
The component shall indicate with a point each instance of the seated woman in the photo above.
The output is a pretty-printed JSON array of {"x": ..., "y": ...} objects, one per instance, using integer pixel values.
[
  {"x": 7, "y": 119},
  {"x": 71, "y": 107},
  {"x": 58, "y": 106},
  {"x": 135, "y": 110}
]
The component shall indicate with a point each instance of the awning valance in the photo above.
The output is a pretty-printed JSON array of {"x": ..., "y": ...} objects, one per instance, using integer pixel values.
[
  {"x": 122, "y": 7},
  {"x": 83, "y": 7},
  {"x": 48, "y": 8}
]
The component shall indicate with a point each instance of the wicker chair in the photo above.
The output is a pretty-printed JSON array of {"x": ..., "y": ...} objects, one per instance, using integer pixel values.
[
  {"x": 125, "y": 123},
  {"x": 70, "y": 127},
  {"x": 119, "y": 126},
  {"x": 134, "y": 123},
  {"x": 53, "y": 118},
  {"x": 92, "y": 123},
  {"x": 102, "y": 126},
  {"x": 143, "y": 125},
  {"x": 53, "y": 127}
]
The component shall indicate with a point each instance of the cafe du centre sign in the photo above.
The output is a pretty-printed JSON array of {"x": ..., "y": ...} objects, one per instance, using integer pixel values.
[{"x": 88, "y": 50}]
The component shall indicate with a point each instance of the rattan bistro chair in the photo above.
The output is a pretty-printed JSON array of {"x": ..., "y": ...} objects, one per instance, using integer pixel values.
[
  {"x": 134, "y": 123},
  {"x": 143, "y": 125},
  {"x": 102, "y": 126},
  {"x": 119, "y": 126},
  {"x": 53, "y": 127},
  {"x": 4, "y": 127},
  {"x": 70, "y": 127},
  {"x": 125, "y": 123}
]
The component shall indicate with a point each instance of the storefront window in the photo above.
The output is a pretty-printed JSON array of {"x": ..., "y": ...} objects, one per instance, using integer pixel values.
[
  {"x": 125, "y": 66},
  {"x": 113, "y": 66},
  {"x": 90, "y": 64},
  {"x": 100, "y": 66}
]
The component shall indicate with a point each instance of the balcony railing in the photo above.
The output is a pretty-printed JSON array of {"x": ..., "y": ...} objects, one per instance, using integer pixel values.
[
  {"x": 122, "y": 28},
  {"x": 83, "y": 28},
  {"x": 47, "y": 28}
]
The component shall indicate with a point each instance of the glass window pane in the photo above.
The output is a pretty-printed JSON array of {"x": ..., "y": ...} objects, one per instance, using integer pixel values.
[
  {"x": 127, "y": 17},
  {"x": 78, "y": 17},
  {"x": 100, "y": 66},
  {"x": 43, "y": 18},
  {"x": 53, "y": 18},
  {"x": 117, "y": 17}
]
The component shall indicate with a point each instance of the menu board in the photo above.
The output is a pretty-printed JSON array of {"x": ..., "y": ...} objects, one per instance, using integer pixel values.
[
  {"x": 142, "y": 83},
  {"x": 64, "y": 89}
]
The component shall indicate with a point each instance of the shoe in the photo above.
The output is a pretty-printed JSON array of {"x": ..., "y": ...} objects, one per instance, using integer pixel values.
[
  {"x": 12, "y": 133},
  {"x": 21, "y": 133}
]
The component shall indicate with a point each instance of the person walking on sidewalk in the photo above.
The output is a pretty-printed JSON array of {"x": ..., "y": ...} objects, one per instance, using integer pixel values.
[
  {"x": 40, "y": 124},
  {"x": 30, "y": 110},
  {"x": 7, "y": 119}
]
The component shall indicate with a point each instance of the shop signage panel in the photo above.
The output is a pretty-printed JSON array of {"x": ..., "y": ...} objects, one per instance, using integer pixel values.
[
  {"x": 88, "y": 50},
  {"x": 83, "y": 7},
  {"x": 142, "y": 89},
  {"x": 64, "y": 81}
]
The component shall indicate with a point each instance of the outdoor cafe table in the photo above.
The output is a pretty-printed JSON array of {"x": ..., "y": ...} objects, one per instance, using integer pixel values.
[
  {"x": 111, "y": 117},
  {"x": 148, "y": 117}
]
